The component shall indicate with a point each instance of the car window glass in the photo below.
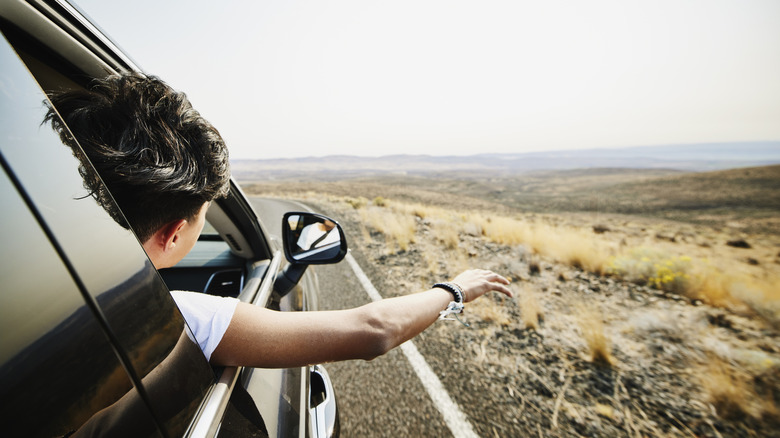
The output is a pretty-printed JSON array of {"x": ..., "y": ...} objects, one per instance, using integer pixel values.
[
  {"x": 140, "y": 315},
  {"x": 49, "y": 339}
]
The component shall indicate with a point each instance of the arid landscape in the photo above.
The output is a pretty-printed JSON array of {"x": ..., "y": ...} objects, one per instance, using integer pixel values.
[{"x": 647, "y": 300}]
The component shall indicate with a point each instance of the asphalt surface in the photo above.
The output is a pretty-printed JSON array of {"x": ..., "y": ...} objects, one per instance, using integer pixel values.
[{"x": 383, "y": 397}]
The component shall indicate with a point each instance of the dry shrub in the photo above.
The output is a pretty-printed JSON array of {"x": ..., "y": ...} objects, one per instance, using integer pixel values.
[
  {"x": 503, "y": 230},
  {"x": 471, "y": 228},
  {"x": 457, "y": 262},
  {"x": 571, "y": 246},
  {"x": 445, "y": 226},
  {"x": 446, "y": 233},
  {"x": 489, "y": 310},
  {"x": 365, "y": 233},
  {"x": 731, "y": 392},
  {"x": 534, "y": 265},
  {"x": 698, "y": 279},
  {"x": 711, "y": 286},
  {"x": 399, "y": 230},
  {"x": 596, "y": 339},
  {"x": 431, "y": 261},
  {"x": 530, "y": 310},
  {"x": 762, "y": 295},
  {"x": 357, "y": 203},
  {"x": 574, "y": 247},
  {"x": 654, "y": 267},
  {"x": 419, "y": 210},
  {"x": 723, "y": 289},
  {"x": 443, "y": 264}
]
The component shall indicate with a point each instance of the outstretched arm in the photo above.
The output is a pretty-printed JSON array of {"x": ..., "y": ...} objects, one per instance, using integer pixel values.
[{"x": 264, "y": 338}]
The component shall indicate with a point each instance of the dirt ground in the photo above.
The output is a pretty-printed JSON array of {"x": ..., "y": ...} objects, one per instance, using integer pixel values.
[{"x": 578, "y": 354}]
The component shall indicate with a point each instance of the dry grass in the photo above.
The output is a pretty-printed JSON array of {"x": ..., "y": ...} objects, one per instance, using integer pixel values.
[
  {"x": 446, "y": 233},
  {"x": 698, "y": 279},
  {"x": 502, "y": 230},
  {"x": 654, "y": 267},
  {"x": 442, "y": 264},
  {"x": 357, "y": 203},
  {"x": 490, "y": 311},
  {"x": 419, "y": 210},
  {"x": 571, "y": 246},
  {"x": 457, "y": 262},
  {"x": 580, "y": 248},
  {"x": 762, "y": 295},
  {"x": 731, "y": 392},
  {"x": 564, "y": 244},
  {"x": 663, "y": 267},
  {"x": 604, "y": 410},
  {"x": 530, "y": 309},
  {"x": 432, "y": 262},
  {"x": 399, "y": 230},
  {"x": 445, "y": 243},
  {"x": 592, "y": 329},
  {"x": 713, "y": 286}
]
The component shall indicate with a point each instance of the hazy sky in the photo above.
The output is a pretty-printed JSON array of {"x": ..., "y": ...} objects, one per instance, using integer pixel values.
[{"x": 298, "y": 78}]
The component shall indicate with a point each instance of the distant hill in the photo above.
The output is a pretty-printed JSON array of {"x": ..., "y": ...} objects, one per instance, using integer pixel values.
[
  {"x": 746, "y": 197},
  {"x": 750, "y": 192},
  {"x": 689, "y": 158}
]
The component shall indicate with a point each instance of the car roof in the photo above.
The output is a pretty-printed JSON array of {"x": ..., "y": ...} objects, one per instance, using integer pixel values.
[{"x": 64, "y": 29}]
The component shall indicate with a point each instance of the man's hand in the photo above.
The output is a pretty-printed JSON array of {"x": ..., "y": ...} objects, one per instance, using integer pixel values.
[{"x": 477, "y": 282}]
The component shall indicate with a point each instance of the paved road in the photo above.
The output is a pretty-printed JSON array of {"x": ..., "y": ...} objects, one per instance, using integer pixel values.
[{"x": 380, "y": 398}]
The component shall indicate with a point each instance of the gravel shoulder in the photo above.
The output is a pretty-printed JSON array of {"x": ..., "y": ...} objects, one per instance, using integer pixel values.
[{"x": 577, "y": 354}]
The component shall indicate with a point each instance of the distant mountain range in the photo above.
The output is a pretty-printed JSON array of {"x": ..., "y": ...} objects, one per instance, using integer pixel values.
[{"x": 692, "y": 158}]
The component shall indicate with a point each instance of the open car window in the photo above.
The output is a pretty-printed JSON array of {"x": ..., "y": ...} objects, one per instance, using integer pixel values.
[{"x": 209, "y": 232}]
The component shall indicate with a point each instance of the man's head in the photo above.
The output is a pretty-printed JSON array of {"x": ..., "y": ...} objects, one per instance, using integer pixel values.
[{"x": 159, "y": 158}]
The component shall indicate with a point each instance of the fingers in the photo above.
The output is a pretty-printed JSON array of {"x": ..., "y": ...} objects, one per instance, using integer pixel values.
[
  {"x": 477, "y": 282},
  {"x": 504, "y": 290},
  {"x": 482, "y": 275}
]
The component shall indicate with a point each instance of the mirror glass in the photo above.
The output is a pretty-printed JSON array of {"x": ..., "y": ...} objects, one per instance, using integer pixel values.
[{"x": 312, "y": 238}]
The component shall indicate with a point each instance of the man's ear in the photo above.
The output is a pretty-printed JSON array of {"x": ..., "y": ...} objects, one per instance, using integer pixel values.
[
  {"x": 168, "y": 235},
  {"x": 160, "y": 246}
]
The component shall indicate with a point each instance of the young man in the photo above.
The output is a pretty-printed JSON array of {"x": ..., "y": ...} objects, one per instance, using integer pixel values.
[{"x": 163, "y": 164}]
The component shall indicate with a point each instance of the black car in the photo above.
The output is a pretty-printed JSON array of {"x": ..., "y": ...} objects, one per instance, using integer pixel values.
[{"x": 92, "y": 342}]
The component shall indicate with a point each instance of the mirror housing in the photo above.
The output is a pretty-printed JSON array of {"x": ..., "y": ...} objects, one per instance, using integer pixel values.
[
  {"x": 312, "y": 239},
  {"x": 308, "y": 239}
]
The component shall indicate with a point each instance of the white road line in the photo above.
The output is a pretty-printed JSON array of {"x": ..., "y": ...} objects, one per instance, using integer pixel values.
[{"x": 456, "y": 420}]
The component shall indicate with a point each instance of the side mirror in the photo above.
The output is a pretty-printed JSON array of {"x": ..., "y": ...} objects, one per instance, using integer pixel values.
[
  {"x": 312, "y": 239},
  {"x": 308, "y": 239}
]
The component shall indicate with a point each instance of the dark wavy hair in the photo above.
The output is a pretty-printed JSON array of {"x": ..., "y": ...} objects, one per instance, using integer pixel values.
[{"x": 160, "y": 160}]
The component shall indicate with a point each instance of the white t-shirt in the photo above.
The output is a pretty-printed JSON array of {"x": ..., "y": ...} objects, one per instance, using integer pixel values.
[
  {"x": 311, "y": 233},
  {"x": 207, "y": 315}
]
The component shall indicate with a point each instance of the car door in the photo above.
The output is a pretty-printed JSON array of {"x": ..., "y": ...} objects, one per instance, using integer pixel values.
[
  {"x": 63, "y": 50},
  {"x": 92, "y": 341}
]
